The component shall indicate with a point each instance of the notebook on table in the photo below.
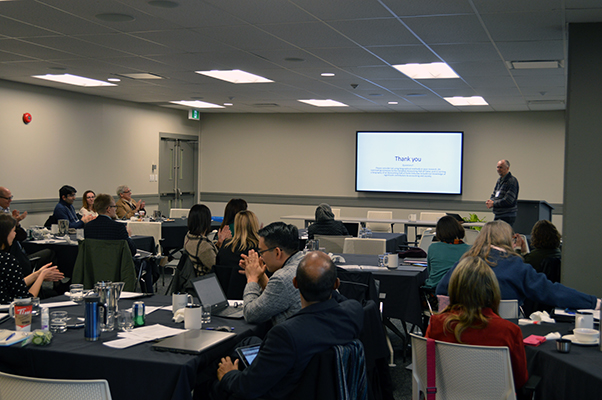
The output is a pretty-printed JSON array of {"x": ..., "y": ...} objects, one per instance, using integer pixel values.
[
  {"x": 209, "y": 291},
  {"x": 193, "y": 341}
]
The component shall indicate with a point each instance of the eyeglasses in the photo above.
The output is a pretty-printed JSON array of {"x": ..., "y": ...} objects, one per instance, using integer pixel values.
[
  {"x": 127, "y": 191},
  {"x": 260, "y": 252},
  {"x": 6, "y": 198},
  {"x": 113, "y": 206}
]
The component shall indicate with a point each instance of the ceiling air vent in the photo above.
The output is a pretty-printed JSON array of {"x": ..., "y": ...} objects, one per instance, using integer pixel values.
[{"x": 265, "y": 105}]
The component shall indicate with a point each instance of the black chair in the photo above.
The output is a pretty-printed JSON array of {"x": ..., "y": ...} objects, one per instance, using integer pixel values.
[
  {"x": 320, "y": 380},
  {"x": 550, "y": 266}
]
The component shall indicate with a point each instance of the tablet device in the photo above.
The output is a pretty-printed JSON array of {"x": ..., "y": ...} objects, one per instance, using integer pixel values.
[{"x": 248, "y": 353}]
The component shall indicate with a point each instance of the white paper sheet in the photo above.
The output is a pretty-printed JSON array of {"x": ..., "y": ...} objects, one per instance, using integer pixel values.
[{"x": 141, "y": 335}]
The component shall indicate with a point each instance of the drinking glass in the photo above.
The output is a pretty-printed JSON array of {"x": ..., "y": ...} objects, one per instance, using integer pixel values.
[
  {"x": 125, "y": 322},
  {"x": 77, "y": 292},
  {"x": 35, "y": 306},
  {"x": 58, "y": 321}
]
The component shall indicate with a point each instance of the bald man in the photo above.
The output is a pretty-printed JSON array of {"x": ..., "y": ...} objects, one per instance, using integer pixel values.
[
  {"x": 288, "y": 347},
  {"x": 504, "y": 199}
]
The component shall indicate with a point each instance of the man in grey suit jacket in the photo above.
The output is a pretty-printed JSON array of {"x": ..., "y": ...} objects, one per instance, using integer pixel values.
[{"x": 272, "y": 298}]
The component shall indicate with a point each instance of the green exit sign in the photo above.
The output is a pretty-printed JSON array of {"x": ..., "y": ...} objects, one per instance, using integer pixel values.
[{"x": 194, "y": 114}]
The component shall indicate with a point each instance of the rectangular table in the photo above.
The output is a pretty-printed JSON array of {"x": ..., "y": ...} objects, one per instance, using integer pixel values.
[
  {"x": 574, "y": 375},
  {"x": 406, "y": 222},
  {"x": 137, "y": 372}
]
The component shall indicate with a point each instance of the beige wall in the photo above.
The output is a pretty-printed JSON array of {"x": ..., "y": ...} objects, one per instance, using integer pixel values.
[
  {"x": 315, "y": 154},
  {"x": 84, "y": 141}
]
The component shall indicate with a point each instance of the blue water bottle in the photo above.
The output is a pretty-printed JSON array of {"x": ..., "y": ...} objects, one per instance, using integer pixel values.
[{"x": 92, "y": 316}]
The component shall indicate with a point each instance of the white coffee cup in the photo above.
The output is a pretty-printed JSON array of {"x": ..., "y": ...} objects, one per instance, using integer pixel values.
[
  {"x": 412, "y": 217},
  {"x": 584, "y": 319},
  {"x": 179, "y": 301},
  {"x": 391, "y": 261},
  {"x": 192, "y": 316}
]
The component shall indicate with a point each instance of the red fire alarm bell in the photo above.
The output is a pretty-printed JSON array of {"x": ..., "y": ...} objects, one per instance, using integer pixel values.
[{"x": 27, "y": 118}]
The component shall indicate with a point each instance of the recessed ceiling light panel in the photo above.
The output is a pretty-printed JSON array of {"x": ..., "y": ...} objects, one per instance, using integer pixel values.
[
  {"x": 73, "y": 80},
  {"x": 114, "y": 17},
  {"x": 235, "y": 76},
  {"x": 196, "y": 104},
  {"x": 326, "y": 74},
  {"x": 535, "y": 64},
  {"x": 324, "y": 103},
  {"x": 437, "y": 70},
  {"x": 466, "y": 101}
]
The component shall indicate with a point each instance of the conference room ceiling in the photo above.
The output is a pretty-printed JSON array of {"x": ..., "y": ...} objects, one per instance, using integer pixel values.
[{"x": 292, "y": 42}]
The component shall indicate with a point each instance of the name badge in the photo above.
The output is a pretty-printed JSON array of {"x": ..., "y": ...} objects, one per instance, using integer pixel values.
[{"x": 497, "y": 194}]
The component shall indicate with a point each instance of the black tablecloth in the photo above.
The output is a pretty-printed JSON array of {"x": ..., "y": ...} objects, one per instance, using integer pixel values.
[
  {"x": 394, "y": 240},
  {"x": 137, "y": 372},
  {"x": 574, "y": 375},
  {"x": 398, "y": 288},
  {"x": 66, "y": 254}
]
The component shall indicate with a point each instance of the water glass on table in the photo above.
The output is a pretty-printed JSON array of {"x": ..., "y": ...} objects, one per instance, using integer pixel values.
[
  {"x": 77, "y": 293},
  {"x": 58, "y": 321},
  {"x": 125, "y": 322}
]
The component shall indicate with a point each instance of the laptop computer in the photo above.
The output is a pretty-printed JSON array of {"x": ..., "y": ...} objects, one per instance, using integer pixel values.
[
  {"x": 193, "y": 341},
  {"x": 209, "y": 291}
]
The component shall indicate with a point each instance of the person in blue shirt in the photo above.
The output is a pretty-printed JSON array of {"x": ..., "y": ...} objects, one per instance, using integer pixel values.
[
  {"x": 517, "y": 279},
  {"x": 65, "y": 210}
]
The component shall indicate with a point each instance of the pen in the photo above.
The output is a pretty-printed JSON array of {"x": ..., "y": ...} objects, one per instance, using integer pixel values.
[
  {"x": 10, "y": 336},
  {"x": 569, "y": 311},
  {"x": 212, "y": 328}
]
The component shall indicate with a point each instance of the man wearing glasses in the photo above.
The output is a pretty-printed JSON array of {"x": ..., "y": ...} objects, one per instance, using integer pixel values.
[
  {"x": 64, "y": 209},
  {"x": 104, "y": 227},
  {"x": 274, "y": 298}
]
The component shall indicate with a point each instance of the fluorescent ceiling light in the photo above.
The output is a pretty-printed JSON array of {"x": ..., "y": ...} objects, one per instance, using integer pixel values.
[
  {"x": 535, "y": 64},
  {"x": 427, "y": 71},
  {"x": 466, "y": 101},
  {"x": 141, "y": 75},
  {"x": 114, "y": 80},
  {"x": 73, "y": 80},
  {"x": 324, "y": 103},
  {"x": 197, "y": 104},
  {"x": 393, "y": 102},
  {"x": 235, "y": 76},
  {"x": 327, "y": 74}
]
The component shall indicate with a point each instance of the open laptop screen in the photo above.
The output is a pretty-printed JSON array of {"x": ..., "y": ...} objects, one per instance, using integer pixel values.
[{"x": 209, "y": 290}]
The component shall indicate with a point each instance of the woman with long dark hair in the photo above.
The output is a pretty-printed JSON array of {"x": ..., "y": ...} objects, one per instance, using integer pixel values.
[{"x": 200, "y": 249}]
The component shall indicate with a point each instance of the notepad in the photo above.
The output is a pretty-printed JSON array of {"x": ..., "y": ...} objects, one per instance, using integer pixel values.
[{"x": 8, "y": 337}]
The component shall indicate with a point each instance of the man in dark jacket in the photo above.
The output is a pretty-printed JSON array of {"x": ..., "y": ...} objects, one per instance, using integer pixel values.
[
  {"x": 504, "y": 199},
  {"x": 322, "y": 323}
]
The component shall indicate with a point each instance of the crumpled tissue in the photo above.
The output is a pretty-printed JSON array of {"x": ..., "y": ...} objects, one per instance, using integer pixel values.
[
  {"x": 553, "y": 336},
  {"x": 537, "y": 318},
  {"x": 179, "y": 315},
  {"x": 336, "y": 258}
]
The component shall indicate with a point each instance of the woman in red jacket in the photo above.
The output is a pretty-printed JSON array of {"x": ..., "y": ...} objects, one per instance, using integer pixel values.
[{"x": 472, "y": 315}]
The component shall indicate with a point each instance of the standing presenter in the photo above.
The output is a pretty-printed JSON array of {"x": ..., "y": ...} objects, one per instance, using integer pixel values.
[{"x": 504, "y": 198}]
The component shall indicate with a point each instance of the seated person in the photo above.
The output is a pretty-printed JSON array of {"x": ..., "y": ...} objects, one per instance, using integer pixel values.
[
  {"x": 43, "y": 258},
  {"x": 12, "y": 282},
  {"x": 104, "y": 227},
  {"x": 245, "y": 238},
  {"x": 64, "y": 209},
  {"x": 518, "y": 280},
  {"x": 226, "y": 228},
  {"x": 289, "y": 346},
  {"x": 126, "y": 206},
  {"x": 200, "y": 249},
  {"x": 545, "y": 240},
  {"x": 442, "y": 255},
  {"x": 88, "y": 204},
  {"x": 272, "y": 298},
  {"x": 472, "y": 315},
  {"x": 325, "y": 223}
]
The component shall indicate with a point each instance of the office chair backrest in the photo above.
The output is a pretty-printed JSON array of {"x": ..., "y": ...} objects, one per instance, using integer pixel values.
[
  {"x": 464, "y": 371},
  {"x": 147, "y": 229},
  {"x": 426, "y": 240},
  {"x": 470, "y": 235},
  {"x": 508, "y": 309},
  {"x": 365, "y": 246},
  {"x": 178, "y": 212},
  {"x": 331, "y": 243},
  {"x": 14, "y": 387},
  {"x": 337, "y": 213},
  {"x": 376, "y": 226}
]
